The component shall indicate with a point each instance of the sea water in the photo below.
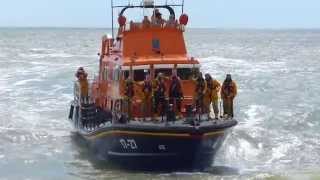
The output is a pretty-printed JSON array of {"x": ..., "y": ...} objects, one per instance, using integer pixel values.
[{"x": 278, "y": 104}]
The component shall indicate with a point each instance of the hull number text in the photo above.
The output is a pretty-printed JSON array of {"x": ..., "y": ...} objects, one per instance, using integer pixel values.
[{"x": 128, "y": 144}]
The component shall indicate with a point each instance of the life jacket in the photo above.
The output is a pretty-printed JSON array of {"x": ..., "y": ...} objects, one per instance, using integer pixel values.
[
  {"x": 84, "y": 86},
  {"x": 175, "y": 89},
  {"x": 147, "y": 87},
  {"x": 229, "y": 89},
  {"x": 129, "y": 91},
  {"x": 200, "y": 85},
  {"x": 210, "y": 85},
  {"x": 161, "y": 89}
]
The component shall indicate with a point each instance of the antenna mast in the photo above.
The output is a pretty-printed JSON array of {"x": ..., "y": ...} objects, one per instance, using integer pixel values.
[
  {"x": 182, "y": 6},
  {"x": 112, "y": 26}
]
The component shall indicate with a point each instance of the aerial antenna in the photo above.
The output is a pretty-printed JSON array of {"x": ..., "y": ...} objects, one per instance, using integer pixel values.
[
  {"x": 112, "y": 19},
  {"x": 182, "y": 6}
]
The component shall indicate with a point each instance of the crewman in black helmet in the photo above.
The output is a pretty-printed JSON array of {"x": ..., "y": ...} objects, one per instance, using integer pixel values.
[
  {"x": 175, "y": 94},
  {"x": 128, "y": 95},
  {"x": 83, "y": 84},
  {"x": 159, "y": 95},
  {"x": 200, "y": 90},
  {"x": 147, "y": 97}
]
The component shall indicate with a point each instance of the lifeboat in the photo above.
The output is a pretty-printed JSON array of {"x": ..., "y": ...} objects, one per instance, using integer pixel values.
[{"x": 114, "y": 118}]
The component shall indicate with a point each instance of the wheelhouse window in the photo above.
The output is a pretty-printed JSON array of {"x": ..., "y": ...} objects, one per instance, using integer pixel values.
[
  {"x": 186, "y": 73},
  {"x": 138, "y": 75},
  {"x": 166, "y": 71}
]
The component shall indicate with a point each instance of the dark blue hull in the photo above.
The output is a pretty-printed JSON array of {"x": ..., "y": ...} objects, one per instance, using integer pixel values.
[
  {"x": 153, "y": 146},
  {"x": 156, "y": 148}
]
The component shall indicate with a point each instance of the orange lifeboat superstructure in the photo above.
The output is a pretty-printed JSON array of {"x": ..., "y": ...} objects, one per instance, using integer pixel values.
[{"x": 140, "y": 48}]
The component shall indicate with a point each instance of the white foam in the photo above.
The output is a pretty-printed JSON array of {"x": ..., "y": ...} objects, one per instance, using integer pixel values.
[
  {"x": 24, "y": 82},
  {"x": 255, "y": 115},
  {"x": 51, "y": 55},
  {"x": 240, "y": 66}
]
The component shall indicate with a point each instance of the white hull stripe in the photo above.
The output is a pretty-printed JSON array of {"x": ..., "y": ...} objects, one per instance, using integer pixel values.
[{"x": 141, "y": 154}]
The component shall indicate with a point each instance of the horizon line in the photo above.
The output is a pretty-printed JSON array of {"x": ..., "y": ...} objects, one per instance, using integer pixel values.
[{"x": 222, "y": 28}]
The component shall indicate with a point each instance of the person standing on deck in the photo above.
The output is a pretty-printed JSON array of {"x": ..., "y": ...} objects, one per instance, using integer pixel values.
[
  {"x": 172, "y": 22},
  {"x": 146, "y": 22},
  {"x": 176, "y": 94},
  {"x": 147, "y": 97},
  {"x": 156, "y": 18},
  {"x": 228, "y": 93},
  {"x": 212, "y": 95},
  {"x": 83, "y": 85},
  {"x": 159, "y": 95},
  {"x": 201, "y": 87},
  {"x": 128, "y": 95}
]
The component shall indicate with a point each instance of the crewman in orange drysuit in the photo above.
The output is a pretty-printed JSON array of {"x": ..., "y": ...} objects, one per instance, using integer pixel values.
[
  {"x": 201, "y": 87},
  {"x": 176, "y": 94},
  {"x": 147, "y": 97},
  {"x": 212, "y": 95},
  {"x": 84, "y": 85},
  {"x": 228, "y": 93},
  {"x": 128, "y": 95}
]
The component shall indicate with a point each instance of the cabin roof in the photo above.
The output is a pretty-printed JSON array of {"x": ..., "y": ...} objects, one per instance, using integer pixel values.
[{"x": 151, "y": 41}]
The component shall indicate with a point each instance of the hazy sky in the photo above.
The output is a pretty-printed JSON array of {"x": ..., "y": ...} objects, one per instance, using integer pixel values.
[{"x": 203, "y": 13}]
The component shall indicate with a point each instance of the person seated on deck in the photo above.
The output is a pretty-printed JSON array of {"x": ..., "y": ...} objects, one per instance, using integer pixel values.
[
  {"x": 156, "y": 18},
  {"x": 176, "y": 94},
  {"x": 83, "y": 84},
  {"x": 172, "y": 22},
  {"x": 146, "y": 22},
  {"x": 228, "y": 93},
  {"x": 159, "y": 95},
  {"x": 212, "y": 96},
  {"x": 147, "y": 97},
  {"x": 201, "y": 87}
]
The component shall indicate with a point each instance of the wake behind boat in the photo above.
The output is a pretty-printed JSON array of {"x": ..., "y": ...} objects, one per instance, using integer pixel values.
[{"x": 145, "y": 108}]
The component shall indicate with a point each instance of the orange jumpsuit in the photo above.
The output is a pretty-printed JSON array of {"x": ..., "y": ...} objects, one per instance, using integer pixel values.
[
  {"x": 147, "y": 98},
  {"x": 228, "y": 93},
  {"x": 212, "y": 96},
  {"x": 84, "y": 89}
]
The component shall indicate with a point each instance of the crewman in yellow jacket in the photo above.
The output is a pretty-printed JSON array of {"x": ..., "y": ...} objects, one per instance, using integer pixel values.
[
  {"x": 83, "y": 85},
  {"x": 200, "y": 90},
  {"x": 212, "y": 95},
  {"x": 147, "y": 97},
  {"x": 128, "y": 95},
  {"x": 159, "y": 95},
  {"x": 228, "y": 93}
]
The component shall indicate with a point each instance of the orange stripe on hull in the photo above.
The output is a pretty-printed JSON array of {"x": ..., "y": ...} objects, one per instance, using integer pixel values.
[{"x": 136, "y": 133}]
